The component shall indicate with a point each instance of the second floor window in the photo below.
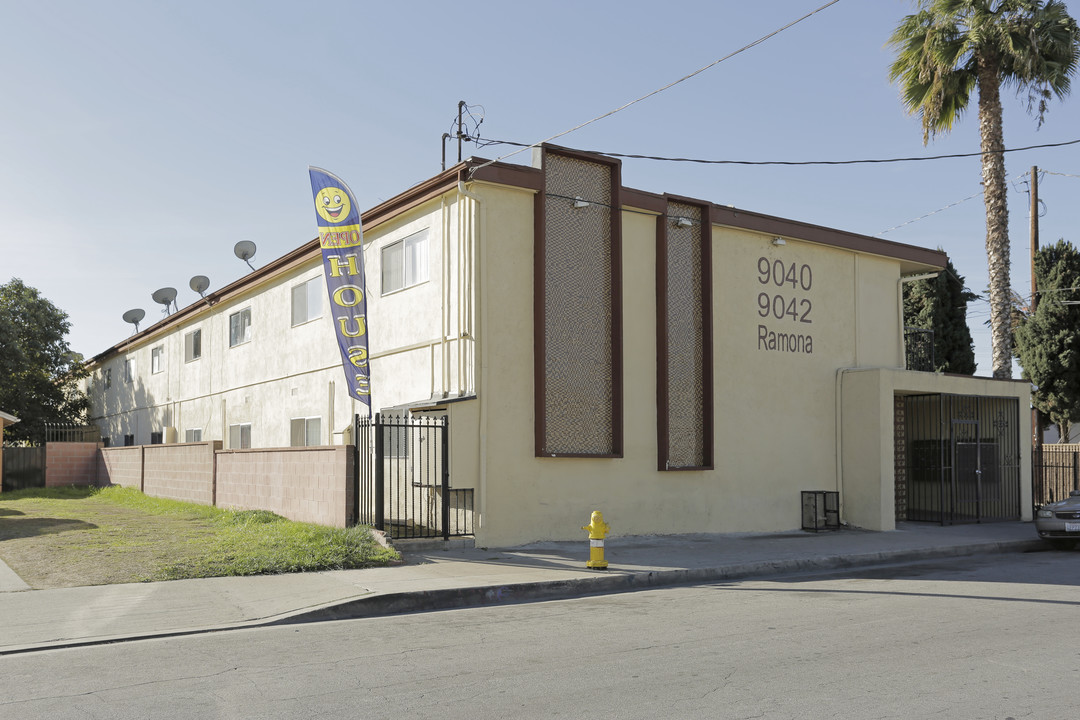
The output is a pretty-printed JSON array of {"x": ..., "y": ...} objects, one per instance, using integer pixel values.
[
  {"x": 193, "y": 345},
  {"x": 307, "y": 301},
  {"x": 157, "y": 359},
  {"x": 405, "y": 263},
  {"x": 240, "y": 327}
]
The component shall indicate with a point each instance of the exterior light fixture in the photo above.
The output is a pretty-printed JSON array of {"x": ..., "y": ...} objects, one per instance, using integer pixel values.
[
  {"x": 779, "y": 241},
  {"x": 684, "y": 222},
  {"x": 580, "y": 203}
]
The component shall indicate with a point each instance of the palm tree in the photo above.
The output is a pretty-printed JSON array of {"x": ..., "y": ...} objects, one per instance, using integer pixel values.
[{"x": 951, "y": 47}]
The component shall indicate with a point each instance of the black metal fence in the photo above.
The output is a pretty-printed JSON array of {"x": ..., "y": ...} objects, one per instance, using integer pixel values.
[
  {"x": 919, "y": 349},
  {"x": 1055, "y": 471},
  {"x": 962, "y": 458},
  {"x": 70, "y": 432},
  {"x": 403, "y": 478}
]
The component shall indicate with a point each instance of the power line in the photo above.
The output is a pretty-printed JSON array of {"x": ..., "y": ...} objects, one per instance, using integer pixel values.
[
  {"x": 935, "y": 212},
  {"x": 798, "y": 162},
  {"x": 666, "y": 87}
]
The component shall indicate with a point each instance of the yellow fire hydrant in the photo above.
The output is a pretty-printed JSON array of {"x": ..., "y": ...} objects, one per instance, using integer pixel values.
[{"x": 597, "y": 530}]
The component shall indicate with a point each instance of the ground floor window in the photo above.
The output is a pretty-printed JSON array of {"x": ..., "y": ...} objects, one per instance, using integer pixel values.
[
  {"x": 193, "y": 435},
  {"x": 305, "y": 432},
  {"x": 240, "y": 436}
]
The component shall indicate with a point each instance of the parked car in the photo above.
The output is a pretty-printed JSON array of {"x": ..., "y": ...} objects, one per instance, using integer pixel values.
[{"x": 1059, "y": 522}]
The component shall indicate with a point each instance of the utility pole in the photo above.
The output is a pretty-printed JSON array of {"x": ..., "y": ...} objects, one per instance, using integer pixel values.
[
  {"x": 1034, "y": 232},
  {"x": 1036, "y": 432}
]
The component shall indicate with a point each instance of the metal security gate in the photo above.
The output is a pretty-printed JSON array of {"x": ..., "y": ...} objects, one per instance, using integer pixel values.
[
  {"x": 1055, "y": 472},
  {"x": 24, "y": 468},
  {"x": 962, "y": 458},
  {"x": 402, "y": 478}
]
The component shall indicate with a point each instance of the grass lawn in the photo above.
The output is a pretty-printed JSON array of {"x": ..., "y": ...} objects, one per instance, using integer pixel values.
[{"x": 63, "y": 537}]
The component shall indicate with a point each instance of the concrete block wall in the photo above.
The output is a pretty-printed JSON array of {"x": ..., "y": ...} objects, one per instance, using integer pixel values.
[
  {"x": 120, "y": 466},
  {"x": 71, "y": 463},
  {"x": 304, "y": 484},
  {"x": 180, "y": 472}
]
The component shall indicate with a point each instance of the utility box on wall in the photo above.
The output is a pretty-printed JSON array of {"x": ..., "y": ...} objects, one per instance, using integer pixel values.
[{"x": 820, "y": 510}]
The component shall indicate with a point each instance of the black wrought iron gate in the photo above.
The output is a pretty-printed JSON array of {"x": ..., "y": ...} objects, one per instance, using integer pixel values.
[
  {"x": 963, "y": 458},
  {"x": 402, "y": 478}
]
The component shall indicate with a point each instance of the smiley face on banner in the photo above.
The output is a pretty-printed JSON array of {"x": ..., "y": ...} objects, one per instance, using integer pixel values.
[{"x": 332, "y": 204}]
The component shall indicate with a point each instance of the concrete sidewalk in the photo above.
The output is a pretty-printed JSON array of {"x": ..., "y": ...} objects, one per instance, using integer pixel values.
[{"x": 462, "y": 576}]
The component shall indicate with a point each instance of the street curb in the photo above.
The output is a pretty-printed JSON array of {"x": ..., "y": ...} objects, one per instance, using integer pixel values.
[
  {"x": 603, "y": 583},
  {"x": 615, "y": 581}
]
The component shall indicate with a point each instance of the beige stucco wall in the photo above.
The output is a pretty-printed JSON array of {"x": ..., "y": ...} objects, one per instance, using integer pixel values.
[{"x": 776, "y": 413}]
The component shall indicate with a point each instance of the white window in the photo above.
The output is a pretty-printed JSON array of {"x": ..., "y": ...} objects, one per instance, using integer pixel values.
[
  {"x": 157, "y": 358},
  {"x": 193, "y": 435},
  {"x": 240, "y": 327},
  {"x": 307, "y": 301},
  {"x": 240, "y": 436},
  {"x": 128, "y": 373},
  {"x": 108, "y": 377},
  {"x": 305, "y": 432},
  {"x": 405, "y": 263},
  {"x": 193, "y": 345}
]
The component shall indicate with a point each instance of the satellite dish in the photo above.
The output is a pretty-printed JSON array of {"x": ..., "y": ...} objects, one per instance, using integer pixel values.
[
  {"x": 134, "y": 316},
  {"x": 165, "y": 296},
  {"x": 199, "y": 283},
  {"x": 245, "y": 250}
]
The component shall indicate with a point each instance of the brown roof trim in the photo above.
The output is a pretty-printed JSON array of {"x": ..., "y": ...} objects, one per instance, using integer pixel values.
[
  {"x": 757, "y": 222},
  {"x": 746, "y": 220},
  {"x": 521, "y": 176},
  {"x": 647, "y": 200}
]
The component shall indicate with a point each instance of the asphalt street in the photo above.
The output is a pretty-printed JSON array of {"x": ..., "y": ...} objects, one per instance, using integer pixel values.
[{"x": 968, "y": 637}]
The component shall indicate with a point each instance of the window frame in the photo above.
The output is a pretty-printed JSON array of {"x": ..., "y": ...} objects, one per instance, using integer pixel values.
[
  {"x": 317, "y": 420},
  {"x": 420, "y": 265},
  {"x": 311, "y": 289},
  {"x": 191, "y": 340},
  {"x": 157, "y": 359},
  {"x": 233, "y": 341},
  {"x": 240, "y": 427},
  {"x": 129, "y": 374},
  {"x": 193, "y": 435}
]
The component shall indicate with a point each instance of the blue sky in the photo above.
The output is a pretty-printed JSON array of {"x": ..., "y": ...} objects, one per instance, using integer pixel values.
[{"x": 141, "y": 140}]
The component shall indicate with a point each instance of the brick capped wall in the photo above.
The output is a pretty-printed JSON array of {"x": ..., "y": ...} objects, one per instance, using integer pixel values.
[
  {"x": 120, "y": 466},
  {"x": 71, "y": 463},
  {"x": 180, "y": 472},
  {"x": 304, "y": 484}
]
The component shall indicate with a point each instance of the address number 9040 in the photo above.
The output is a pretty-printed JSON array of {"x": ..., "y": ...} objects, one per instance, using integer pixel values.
[{"x": 781, "y": 274}]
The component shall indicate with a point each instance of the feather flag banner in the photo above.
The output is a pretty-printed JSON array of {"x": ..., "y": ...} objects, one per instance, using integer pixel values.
[{"x": 342, "y": 241}]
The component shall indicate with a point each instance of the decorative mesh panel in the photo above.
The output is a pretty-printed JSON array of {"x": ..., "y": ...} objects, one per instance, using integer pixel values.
[
  {"x": 578, "y": 396},
  {"x": 685, "y": 339}
]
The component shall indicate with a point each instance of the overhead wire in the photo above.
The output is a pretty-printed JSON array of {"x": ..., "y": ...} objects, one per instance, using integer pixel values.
[
  {"x": 662, "y": 89},
  {"x": 701, "y": 161}
]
